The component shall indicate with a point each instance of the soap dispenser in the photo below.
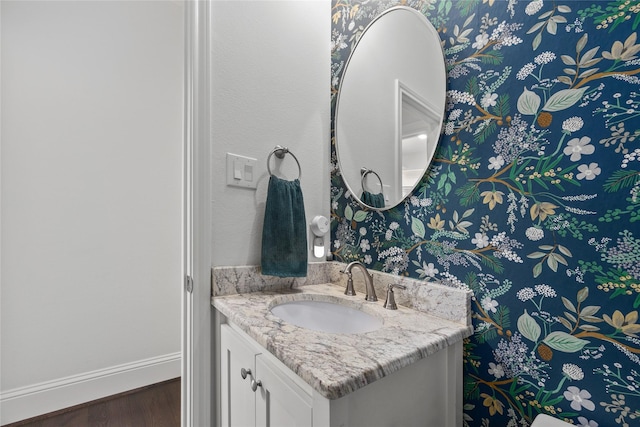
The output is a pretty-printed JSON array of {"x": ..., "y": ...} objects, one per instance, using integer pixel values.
[
  {"x": 390, "y": 303},
  {"x": 319, "y": 227}
]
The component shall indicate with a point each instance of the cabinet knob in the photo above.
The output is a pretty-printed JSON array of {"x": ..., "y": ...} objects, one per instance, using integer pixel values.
[
  {"x": 244, "y": 372},
  {"x": 255, "y": 384}
]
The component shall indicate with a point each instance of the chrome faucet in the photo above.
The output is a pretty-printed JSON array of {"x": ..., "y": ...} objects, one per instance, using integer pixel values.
[{"x": 368, "y": 281}]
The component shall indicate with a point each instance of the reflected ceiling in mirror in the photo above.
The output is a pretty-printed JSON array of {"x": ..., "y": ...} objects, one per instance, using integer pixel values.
[{"x": 390, "y": 108}]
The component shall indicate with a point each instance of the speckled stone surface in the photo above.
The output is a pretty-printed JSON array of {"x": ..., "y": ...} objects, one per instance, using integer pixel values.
[
  {"x": 430, "y": 297},
  {"x": 241, "y": 279},
  {"x": 338, "y": 364}
]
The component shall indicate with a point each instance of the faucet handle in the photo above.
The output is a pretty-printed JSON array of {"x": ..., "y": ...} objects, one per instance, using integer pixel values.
[
  {"x": 349, "y": 290},
  {"x": 390, "y": 303}
]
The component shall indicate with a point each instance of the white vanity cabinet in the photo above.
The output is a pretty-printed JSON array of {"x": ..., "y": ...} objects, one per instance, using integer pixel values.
[
  {"x": 267, "y": 395},
  {"x": 427, "y": 393}
]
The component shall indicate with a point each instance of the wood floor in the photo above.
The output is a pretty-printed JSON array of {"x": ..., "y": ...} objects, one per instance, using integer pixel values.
[{"x": 157, "y": 405}]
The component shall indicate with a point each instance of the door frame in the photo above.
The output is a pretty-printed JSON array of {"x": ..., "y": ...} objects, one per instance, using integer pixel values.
[{"x": 197, "y": 409}]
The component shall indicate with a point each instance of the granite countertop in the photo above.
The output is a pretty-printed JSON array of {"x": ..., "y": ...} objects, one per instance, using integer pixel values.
[{"x": 338, "y": 364}]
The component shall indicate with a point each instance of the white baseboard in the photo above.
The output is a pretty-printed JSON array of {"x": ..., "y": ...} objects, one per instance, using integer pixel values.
[{"x": 27, "y": 402}]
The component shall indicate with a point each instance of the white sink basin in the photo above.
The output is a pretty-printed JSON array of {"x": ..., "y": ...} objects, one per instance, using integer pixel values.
[{"x": 326, "y": 317}]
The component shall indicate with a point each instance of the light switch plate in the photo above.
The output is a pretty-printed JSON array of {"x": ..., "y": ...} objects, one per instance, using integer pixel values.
[{"x": 241, "y": 171}]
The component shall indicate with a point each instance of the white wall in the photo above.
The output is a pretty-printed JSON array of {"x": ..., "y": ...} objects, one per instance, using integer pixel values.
[
  {"x": 91, "y": 200},
  {"x": 271, "y": 85}
]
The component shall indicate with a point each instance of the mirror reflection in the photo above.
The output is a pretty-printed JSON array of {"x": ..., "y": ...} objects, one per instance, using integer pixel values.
[{"x": 390, "y": 108}]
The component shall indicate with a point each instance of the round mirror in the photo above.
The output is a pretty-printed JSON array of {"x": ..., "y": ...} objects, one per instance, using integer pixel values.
[{"x": 390, "y": 107}]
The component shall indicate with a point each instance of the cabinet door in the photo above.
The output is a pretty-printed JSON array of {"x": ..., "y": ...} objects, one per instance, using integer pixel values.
[
  {"x": 279, "y": 401},
  {"x": 237, "y": 399}
]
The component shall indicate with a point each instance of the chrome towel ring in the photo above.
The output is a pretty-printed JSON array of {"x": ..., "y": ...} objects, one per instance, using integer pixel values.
[
  {"x": 366, "y": 171},
  {"x": 280, "y": 152}
]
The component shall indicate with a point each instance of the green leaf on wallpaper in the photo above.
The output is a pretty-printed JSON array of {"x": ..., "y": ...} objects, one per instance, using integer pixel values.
[
  {"x": 565, "y": 322},
  {"x": 444, "y": 7},
  {"x": 621, "y": 179},
  {"x": 553, "y": 402},
  {"x": 588, "y": 59},
  {"x": 528, "y": 102},
  {"x": 588, "y": 73},
  {"x": 535, "y": 255},
  {"x": 565, "y": 251},
  {"x": 562, "y": 341},
  {"x": 559, "y": 19},
  {"x": 492, "y": 57},
  {"x": 417, "y": 227},
  {"x": 360, "y": 216},
  {"x": 502, "y": 317},
  {"x": 348, "y": 213},
  {"x": 592, "y": 319},
  {"x": 465, "y": 7},
  {"x": 563, "y": 99},
  {"x": 583, "y": 294},
  {"x": 536, "y": 27},
  {"x": 552, "y": 263},
  {"x": 463, "y": 225},
  {"x": 492, "y": 262},
  {"x": 537, "y": 269},
  {"x": 468, "y": 193},
  {"x": 486, "y": 335},
  {"x": 562, "y": 260},
  {"x": 472, "y": 86},
  {"x": 589, "y": 310},
  {"x": 582, "y": 43},
  {"x": 564, "y": 79},
  {"x": 536, "y": 41},
  {"x": 541, "y": 183},
  {"x": 484, "y": 132},
  {"x": 590, "y": 63},
  {"x": 528, "y": 327},
  {"x": 546, "y": 14},
  {"x": 469, "y": 20},
  {"x": 569, "y": 305},
  {"x": 503, "y": 106}
]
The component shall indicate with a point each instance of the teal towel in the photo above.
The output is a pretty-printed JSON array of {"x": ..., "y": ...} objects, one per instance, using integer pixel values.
[
  {"x": 284, "y": 234},
  {"x": 373, "y": 200}
]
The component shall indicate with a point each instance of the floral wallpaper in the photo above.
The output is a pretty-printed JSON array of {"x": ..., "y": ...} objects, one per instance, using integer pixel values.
[{"x": 532, "y": 202}]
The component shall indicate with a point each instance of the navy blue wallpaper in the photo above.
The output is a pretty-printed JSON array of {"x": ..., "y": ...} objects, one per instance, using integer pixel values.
[{"x": 533, "y": 202}]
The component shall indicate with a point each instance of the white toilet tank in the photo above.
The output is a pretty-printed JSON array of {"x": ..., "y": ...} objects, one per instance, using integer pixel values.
[{"x": 543, "y": 420}]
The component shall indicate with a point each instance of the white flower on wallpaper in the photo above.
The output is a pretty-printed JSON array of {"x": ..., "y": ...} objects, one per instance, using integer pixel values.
[
  {"x": 572, "y": 124},
  {"x": 579, "y": 399},
  {"x": 588, "y": 172},
  {"x": 578, "y": 147}
]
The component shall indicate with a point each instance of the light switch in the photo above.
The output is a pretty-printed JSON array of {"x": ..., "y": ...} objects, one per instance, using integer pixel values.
[
  {"x": 237, "y": 170},
  {"x": 241, "y": 171}
]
